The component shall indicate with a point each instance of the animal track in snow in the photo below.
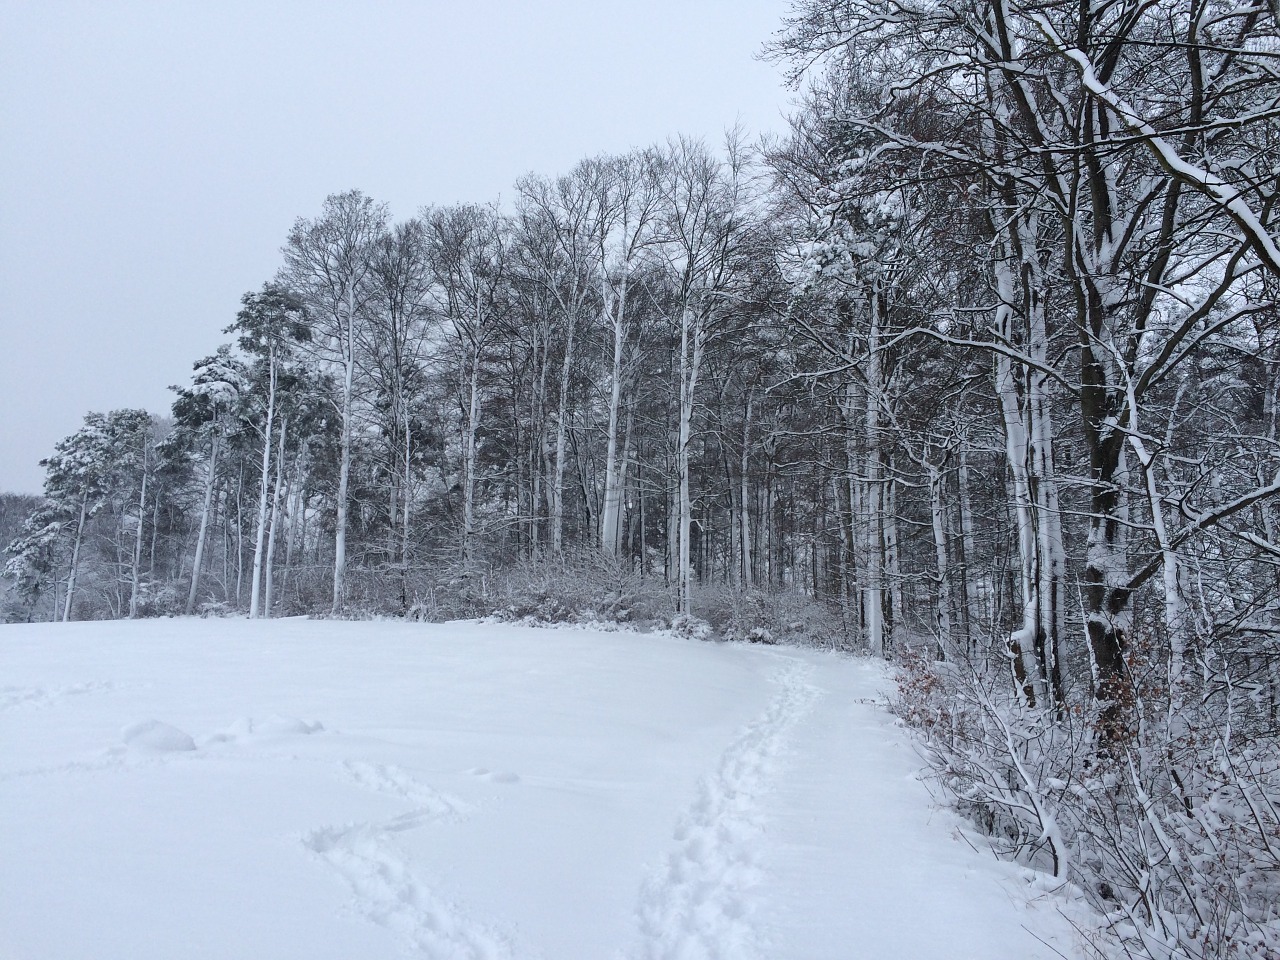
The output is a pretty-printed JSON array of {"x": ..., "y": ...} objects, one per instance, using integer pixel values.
[{"x": 697, "y": 905}]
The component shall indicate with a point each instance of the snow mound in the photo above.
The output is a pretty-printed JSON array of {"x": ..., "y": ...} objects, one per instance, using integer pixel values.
[{"x": 157, "y": 736}]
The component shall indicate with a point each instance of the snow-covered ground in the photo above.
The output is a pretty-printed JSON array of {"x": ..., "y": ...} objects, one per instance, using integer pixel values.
[{"x": 307, "y": 789}]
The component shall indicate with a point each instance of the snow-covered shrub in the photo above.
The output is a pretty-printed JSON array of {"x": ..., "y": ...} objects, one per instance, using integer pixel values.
[
  {"x": 160, "y": 599},
  {"x": 1174, "y": 835},
  {"x": 215, "y": 608},
  {"x": 691, "y": 627},
  {"x": 759, "y": 616},
  {"x": 582, "y": 588}
]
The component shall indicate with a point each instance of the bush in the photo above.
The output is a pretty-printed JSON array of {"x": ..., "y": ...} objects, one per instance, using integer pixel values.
[
  {"x": 582, "y": 588},
  {"x": 784, "y": 616},
  {"x": 691, "y": 627},
  {"x": 1173, "y": 836},
  {"x": 585, "y": 587},
  {"x": 160, "y": 600}
]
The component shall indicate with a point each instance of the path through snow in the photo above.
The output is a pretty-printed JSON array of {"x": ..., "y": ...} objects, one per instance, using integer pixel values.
[
  {"x": 474, "y": 792},
  {"x": 699, "y": 904}
]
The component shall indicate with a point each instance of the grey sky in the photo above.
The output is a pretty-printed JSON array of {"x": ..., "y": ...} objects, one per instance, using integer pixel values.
[{"x": 153, "y": 155}]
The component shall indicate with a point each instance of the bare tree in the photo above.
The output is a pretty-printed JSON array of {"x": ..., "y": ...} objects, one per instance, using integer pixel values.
[{"x": 330, "y": 262}]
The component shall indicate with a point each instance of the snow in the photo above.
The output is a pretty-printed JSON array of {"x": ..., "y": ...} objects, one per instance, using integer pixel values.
[
  {"x": 325, "y": 790},
  {"x": 157, "y": 736}
]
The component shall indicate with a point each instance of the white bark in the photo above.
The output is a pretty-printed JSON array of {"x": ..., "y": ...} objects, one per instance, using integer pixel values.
[
  {"x": 263, "y": 487},
  {"x": 295, "y": 531},
  {"x": 691, "y": 346},
  {"x": 204, "y": 522},
  {"x": 893, "y": 568},
  {"x": 873, "y": 498},
  {"x": 344, "y": 469},
  {"x": 406, "y": 507},
  {"x": 968, "y": 548},
  {"x": 939, "y": 517},
  {"x": 137, "y": 543},
  {"x": 474, "y": 409},
  {"x": 562, "y": 427},
  {"x": 274, "y": 522},
  {"x": 1018, "y": 454},
  {"x": 745, "y": 510},
  {"x": 75, "y": 561},
  {"x": 610, "y": 527}
]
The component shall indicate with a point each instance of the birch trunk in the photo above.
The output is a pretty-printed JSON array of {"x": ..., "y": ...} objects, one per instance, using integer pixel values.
[
  {"x": 892, "y": 562},
  {"x": 557, "y": 481},
  {"x": 748, "y": 581},
  {"x": 873, "y": 600},
  {"x": 137, "y": 543},
  {"x": 204, "y": 524},
  {"x": 610, "y": 526},
  {"x": 405, "y": 510},
  {"x": 968, "y": 547},
  {"x": 469, "y": 460},
  {"x": 75, "y": 561},
  {"x": 274, "y": 521},
  {"x": 938, "y": 515},
  {"x": 538, "y": 448},
  {"x": 691, "y": 345},
  {"x": 263, "y": 489},
  {"x": 1022, "y": 642},
  {"x": 295, "y": 530},
  {"x": 344, "y": 470}
]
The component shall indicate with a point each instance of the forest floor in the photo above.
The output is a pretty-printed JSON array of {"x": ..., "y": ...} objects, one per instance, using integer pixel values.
[{"x": 327, "y": 790}]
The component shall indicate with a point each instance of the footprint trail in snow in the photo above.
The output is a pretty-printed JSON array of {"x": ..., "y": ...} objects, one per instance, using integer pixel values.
[
  {"x": 698, "y": 905},
  {"x": 386, "y": 888}
]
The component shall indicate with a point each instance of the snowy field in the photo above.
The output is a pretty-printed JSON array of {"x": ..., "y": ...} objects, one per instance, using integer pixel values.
[{"x": 239, "y": 790}]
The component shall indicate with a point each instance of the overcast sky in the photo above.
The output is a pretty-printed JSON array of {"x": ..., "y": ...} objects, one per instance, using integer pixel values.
[{"x": 154, "y": 155}]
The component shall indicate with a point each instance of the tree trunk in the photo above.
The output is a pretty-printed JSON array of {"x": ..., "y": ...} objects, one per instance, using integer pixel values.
[
  {"x": 75, "y": 561},
  {"x": 614, "y": 482},
  {"x": 344, "y": 470},
  {"x": 968, "y": 547},
  {"x": 263, "y": 488},
  {"x": 691, "y": 344},
  {"x": 240, "y": 537},
  {"x": 748, "y": 580},
  {"x": 557, "y": 482},
  {"x": 204, "y": 525},
  {"x": 873, "y": 602},
  {"x": 406, "y": 510},
  {"x": 296, "y": 526},
  {"x": 469, "y": 460},
  {"x": 897, "y": 620},
  {"x": 939, "y": 516},
  {"x": 274, "y": 522},
  {"x": 137, "y": 543},
  {"x": 1026, "y": 640}
]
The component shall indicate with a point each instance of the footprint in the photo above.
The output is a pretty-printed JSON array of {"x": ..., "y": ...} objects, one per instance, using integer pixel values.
[
  {"x": 392, "y": 781},
  {"x": 494, "y": 776},
  {"x": 700, "y": 901},
  {"x": 386, "y": 888},
  {"x": 389, "y": 893}
]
